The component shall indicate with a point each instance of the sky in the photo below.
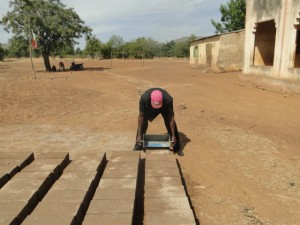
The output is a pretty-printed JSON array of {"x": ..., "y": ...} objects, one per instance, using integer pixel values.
[{"x": 162, "y": 20}]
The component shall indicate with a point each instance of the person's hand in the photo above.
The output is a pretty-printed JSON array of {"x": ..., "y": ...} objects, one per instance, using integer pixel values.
[
  {"x": 173, "y": 142},
  {"x": 139, "y": 140},
  {"x": 139, "y": 144}
]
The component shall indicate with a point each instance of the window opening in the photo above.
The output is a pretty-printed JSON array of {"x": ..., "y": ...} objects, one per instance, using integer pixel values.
[{"x": 196, "y": 52}]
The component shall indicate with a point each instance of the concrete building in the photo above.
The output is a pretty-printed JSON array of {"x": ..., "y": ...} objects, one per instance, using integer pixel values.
[
  {"x": 272, "y": 40},
  {"x": 220, "y": 52}
]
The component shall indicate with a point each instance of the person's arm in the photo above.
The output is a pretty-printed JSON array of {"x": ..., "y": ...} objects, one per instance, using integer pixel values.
[
  {"x": 139, "y": 131},
  {"x": 172, "y": 126},
  {"x": 170, "y": 110}
]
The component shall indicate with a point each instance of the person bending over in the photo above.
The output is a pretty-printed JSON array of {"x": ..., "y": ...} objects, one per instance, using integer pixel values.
[{"x": 153, "y": 102}]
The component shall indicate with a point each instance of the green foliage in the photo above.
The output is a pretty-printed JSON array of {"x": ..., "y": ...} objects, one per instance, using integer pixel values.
[
  {"x": 78, "y": 51},
  {"x": 63, "y": 51},
  {"x": 182, "y": 48},
  {"x": 168, "y": 49},
  {"x": 151, "y": 48},
  {"x": 179, "y": 48},
  {"x": 92, "y": 47},
  {"x": 141, "y": 47},
  {"x": 233, "y": 16},
  {"x": 2, "y": 53},
  {"x": 115, "y": 46},
  {"x": 116, "y": 43},
  {"x": 54, "y": 25},
  {"x": 18, "y": 47},
  {"x": 106, "y": 51}
]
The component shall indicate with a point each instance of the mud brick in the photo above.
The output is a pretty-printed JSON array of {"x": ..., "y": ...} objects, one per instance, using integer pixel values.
[
  {"x": 48, "y": 163},
  {"x": 62, "y": 158},
  {"x": 162, "y": 172},
  {"x": 125, "y": 153},
  {"x": 163, "y": 181},
  {"x": 33, "y": 176},
  {"x": 15, "y": 210},
  {"x": 60, "y": 195},
  {"x": 19, "y": 195},
  {"x": 158, "y": 152},
  {"x": 17, "y": 155},
  {"x": 78, "y": 196},
  {"x": 153, "y": 164},
  {"x": 85, "y": 165},
  {"x": 113, "y": 206},
  {"x": 72, "y": 211},
  {"x": 40, "y": 186},
  {"x": 78, "y": 175},
  {"x": 83, "y": 184},
  {"x": 114, "y": 193},
  {"x": 10, "y": 170},
  {"x": 89, "y": 155},
  {"x": 50, "y": 220},
  {"x": 161, "y": 192},
  {"x": 133, "y": 159},
  {"x": 120, "y": 173},
  {"x": 178, "y": 217},
  {"x": 121, "y": 165},
  {"x": 108, "y": 219},
  {"x": 166, "y": 204},
  {"x": 151, "y": 157},
  {"x": 44, "y": 165},
  {"x": 15, "y": 162},
  {"x": 121, "y": 183},
  {"x": 8, "y": 220},
  {"x": 52, "y": 155}
]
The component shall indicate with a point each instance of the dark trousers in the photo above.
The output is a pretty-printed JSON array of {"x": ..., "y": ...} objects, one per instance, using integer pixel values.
[{"x": 151, "y": 117}]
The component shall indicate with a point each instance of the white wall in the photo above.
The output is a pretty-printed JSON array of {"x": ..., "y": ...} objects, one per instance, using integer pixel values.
[{"x": 285, "y": 14}]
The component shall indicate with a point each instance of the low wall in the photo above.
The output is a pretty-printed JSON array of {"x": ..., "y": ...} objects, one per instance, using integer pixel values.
[{"x": 272, "y": 84}]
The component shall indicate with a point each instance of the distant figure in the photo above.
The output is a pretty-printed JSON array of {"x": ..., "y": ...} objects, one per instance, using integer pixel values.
[
  {"x": 61, "y": 66},
  {"x": 53, "y": 68},
  {"x": 75, "y": 66}
]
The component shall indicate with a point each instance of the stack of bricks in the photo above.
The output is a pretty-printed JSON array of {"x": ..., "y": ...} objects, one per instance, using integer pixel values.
[
  {"x": 12, "y": 163},
  {"x": 165, "y": 199},
  {"x": 132, "y": 188},
  {"x": 21, "y": 194},
  {"x": 68, "y": 199},
  {"x": 115, "y": 197}
]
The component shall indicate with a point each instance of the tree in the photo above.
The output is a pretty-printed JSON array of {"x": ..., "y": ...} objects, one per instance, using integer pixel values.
[
  {"x": 182, "y": 47},
  {"x": 18, "y": 47},
  {"x": 106, "y": 51},
  {"x": 54, "y": 25},
  {"x": 151, "y": 48},
  {"x": 64, "y": 51},
  {"x": 233, "y": 16},
  {"x": 116, "y": 42},
  {"x": 2, "y": 53},
  {"x": 92, "y": 47},
  {"x": 168, "y": 49},
  {"x": 78, "y": 51}
]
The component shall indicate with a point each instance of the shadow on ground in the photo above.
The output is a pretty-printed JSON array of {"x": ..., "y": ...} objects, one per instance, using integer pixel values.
[{"x": 184, "y": 140}]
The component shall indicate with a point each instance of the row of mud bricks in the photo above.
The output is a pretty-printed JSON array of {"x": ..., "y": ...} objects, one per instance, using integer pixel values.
[{"x": 128, "y": 188}]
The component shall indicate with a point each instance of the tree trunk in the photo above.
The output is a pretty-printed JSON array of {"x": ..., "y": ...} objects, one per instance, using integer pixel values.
[{"x": 46, "y": 60}]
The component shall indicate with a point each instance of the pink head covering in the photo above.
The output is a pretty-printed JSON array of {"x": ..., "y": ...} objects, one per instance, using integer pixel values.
[{"x": 156, "y": 99}]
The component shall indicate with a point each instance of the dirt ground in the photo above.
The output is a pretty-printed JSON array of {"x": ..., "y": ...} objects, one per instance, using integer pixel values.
[{"x": 241, "y": 143}]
